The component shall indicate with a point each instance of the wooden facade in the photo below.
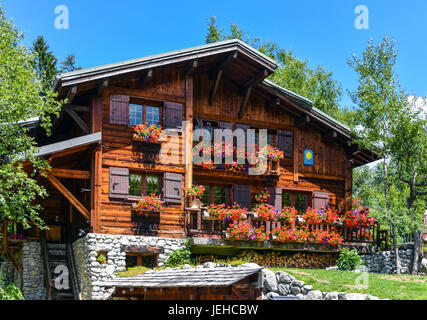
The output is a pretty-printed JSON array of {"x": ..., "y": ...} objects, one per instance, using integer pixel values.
[{"x": 221, "y": 83}]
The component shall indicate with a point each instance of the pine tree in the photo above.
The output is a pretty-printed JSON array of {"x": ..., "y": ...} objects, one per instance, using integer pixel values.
[
  {"x": 44, "y": 62},
  {"x": 69, "y": 64}
]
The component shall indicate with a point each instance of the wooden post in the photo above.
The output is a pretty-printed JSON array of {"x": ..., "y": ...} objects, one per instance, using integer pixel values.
[
  {"x": 188, "y": 134},
  {"x": 5, "y": 238},
  {"x": 96, "y": 165},
  {"x": 296, "y": 151}
]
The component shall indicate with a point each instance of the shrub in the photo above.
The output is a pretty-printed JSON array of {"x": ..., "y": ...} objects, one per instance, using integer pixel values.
[
  {"x": 349, "y": 260},
  {"x": 180, "y": 257},
  {"x": 11, "y": 292}
]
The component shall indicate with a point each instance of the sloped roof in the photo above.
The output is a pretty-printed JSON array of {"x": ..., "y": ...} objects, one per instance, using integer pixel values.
[{"x": 192, "y": 277}]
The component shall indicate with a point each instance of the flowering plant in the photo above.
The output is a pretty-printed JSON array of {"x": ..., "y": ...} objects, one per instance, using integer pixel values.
[
  {"x": 262, "y": 196},
  {"x": 16, "y": 236},
  {"x": 272, "y": 153},
  {"x": 328, "y": 216},
  {"x": 149, "y": 133},
  {"x": 283, "y": 234},
  {"x": 325, "y": 237},
  {"x": 311, "y": 216},
  {"x": 288, "y": 215},
  {"x": 358, "y": 218},
  {"x": 243, "y": 230},
  {"x": 195, "y": 191},
  {"x": 149, "y": 204},
  {"x": 223, "y": 213},
  {"x": 267, "y": 212}
]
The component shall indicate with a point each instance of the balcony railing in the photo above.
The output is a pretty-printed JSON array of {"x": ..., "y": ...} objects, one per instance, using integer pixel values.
[{"x": 199, "y": 227}]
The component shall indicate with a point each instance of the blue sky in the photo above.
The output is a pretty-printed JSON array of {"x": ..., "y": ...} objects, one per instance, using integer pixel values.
[{"x": 322, "y": 31}]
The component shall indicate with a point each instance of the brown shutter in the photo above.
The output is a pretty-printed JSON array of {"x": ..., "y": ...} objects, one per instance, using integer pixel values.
[
  {"x": 119, "y": 183},
  {"x": 320, "y": 200},
  {"x": 275, "y": 197},
  {"x": 119, "y": 109},
  {"x": 173, "y": 115},
  {"x": 242, "y": 195},
  {"x": 285, "y": 143},
  {"x": 172, "y": 188}
]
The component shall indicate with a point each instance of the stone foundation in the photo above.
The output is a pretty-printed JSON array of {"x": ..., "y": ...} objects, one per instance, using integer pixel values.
[
  {"x": 32, "y": 274},
  {"x": 92, "y": 274}
]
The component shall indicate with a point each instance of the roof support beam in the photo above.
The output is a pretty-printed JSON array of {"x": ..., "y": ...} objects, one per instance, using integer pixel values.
[
  {"x": 77, "y": 119},
  {"x": 330, "y": 136},
  {"x": 218, "y": 72},
  {"x": 245, "y": 102},
  {"x": 102, "y": 86},
  {"x": 255, "y": 80},
  {"x": 71, "y": 94},
  {"x": 69, "y": 196},
  {"x": 70, "y": 174},
  {"x": 189, "y": 68},
  {"x": 77, "y": 108},
  {"x": 275, "y": 102},
  {"x": 302, "y": 121}
]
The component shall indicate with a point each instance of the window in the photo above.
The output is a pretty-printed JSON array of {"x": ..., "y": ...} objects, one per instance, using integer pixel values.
[
  {"x": 215, "y": 195},
  {"x": 142, "y": 113},
  {"x": 297, "y": 200},
  {"x": 138, "y": 259},
  {"x": 143, "y": 185}
]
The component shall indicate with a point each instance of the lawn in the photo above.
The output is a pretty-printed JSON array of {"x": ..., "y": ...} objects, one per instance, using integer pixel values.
[{"x": 384, "y": 286}]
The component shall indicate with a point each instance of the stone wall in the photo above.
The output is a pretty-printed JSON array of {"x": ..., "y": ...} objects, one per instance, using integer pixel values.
[
  {"x": 92, "y": 274},
  {"x": 32, "y": 272},
  {"x": 385, "y": 261}
]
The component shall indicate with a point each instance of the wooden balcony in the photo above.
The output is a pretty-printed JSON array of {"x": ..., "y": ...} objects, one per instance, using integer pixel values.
[{"x": 212, "y": 232}]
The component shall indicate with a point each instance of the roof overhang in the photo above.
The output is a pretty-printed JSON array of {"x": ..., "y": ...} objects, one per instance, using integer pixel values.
[{"x": 70, "y": 144}]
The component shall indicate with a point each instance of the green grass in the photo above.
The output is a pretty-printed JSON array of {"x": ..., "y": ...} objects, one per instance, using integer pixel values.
[{"x": 384, "y": 286}]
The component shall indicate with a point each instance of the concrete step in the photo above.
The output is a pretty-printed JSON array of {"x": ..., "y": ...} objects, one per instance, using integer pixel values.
[
  {"x": 57, "y": 252},
  {"x": 60, "y": 246}
]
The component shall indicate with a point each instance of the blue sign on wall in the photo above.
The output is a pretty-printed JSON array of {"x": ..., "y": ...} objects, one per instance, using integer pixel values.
[{"x": 308, "y": 157}]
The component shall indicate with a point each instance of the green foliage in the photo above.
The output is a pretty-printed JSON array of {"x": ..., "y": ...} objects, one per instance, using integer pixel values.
[
  {"x": 349, "y": 260},
  {"x": 11, "y": 292},
  {"x": 180, "y": 257},
  {"x": 101, "y": 257},
  {"x": 44, "y": 62},
  {"x": 294, "y": 74},
  {"x": 20, "y": 99},
  {"x": 69, "y": 64}
]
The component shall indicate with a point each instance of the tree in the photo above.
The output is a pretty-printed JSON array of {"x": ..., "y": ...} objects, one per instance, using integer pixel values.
[
  {"x": 409, "y": 150},
  {"x": 294, "y": 74},
  {"x": 44, "y": 63},
  {"x": 69, "y": 64},
  {"x": 380, "y": 101},
  {"x": 20, "y": 99}
]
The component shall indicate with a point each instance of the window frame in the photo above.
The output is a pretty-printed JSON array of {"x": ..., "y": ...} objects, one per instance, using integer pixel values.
[
  {"x": 139, "y": 258},
  {"x": 144, "y": 184},
  {"x": 144, "y": 103},
  {"x": 228, "y": 192},
  {"x": 293, "y": 194}
]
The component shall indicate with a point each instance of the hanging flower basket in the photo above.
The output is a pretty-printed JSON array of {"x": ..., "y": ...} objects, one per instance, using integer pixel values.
[{"x": 149, "y": 205}]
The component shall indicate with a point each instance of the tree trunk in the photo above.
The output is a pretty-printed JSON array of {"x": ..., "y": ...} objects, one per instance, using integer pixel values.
[
  {"x": 396, "y": 249},
  {"x": 416, "y": 256}
]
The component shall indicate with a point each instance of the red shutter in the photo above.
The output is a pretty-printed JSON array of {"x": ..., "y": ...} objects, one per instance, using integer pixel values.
[
  {"x": 275, "y": 197},
  {"x": 172, "y": 188},
  {"x": 285, "y": 143},
  {"x": 320, "y": 200},
  {"x": 242, "y": 195},
  {"x": 119, "y": 183},
  {"x": 119, "y": 109},
  {"x": 173, "y": 115}
]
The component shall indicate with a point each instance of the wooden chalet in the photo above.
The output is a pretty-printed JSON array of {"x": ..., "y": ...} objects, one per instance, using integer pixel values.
[{"x": 99, "y": 169}]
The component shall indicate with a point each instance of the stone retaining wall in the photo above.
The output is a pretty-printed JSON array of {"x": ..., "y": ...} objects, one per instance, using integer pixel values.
[
  {"x": 92, "y": 274},
  {"x": 32, "y": 274},
  {"x": 385, "y": 261}
]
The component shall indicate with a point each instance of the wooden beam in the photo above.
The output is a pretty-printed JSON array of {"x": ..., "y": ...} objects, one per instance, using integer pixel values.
[
  {"x": 77, "y": 108},
  {"x": 5, "y": 236},
  {"x": 329, "y": 136},
  {"x": 70, "y": 174},
  {"x": 218, "y": 72},
  {"x": 302, "y": 121},
  {"x": 146, "y": 75},
  {"x": 103, "y": 85},
  {"x": 96, "y": 166},
  {"x": 244, "y": 102},
  {"x": 295, "y": 155},
  {"x": 275, "y": 102},
  {"x": 237, "y": 293},
  {"x": 191, "y": 66},
  {"x": 69, "y": 196},
  {"x": 257, "y": 78},
  {"x": 77, "y": 119},
  {"x": 71, "y": 94}
]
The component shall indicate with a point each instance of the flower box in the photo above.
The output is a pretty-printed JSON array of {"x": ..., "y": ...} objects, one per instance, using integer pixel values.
[
  {"x": 162, "y": 138},
  {"x": 273, "y": 168}
]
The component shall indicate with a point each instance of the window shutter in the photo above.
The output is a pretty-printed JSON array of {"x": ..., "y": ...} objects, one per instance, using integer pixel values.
[
  {"x": 172, "y": 191},
  {"x": 119, "y": 183},
  {"x": 242, "y": 195},
  {"x": 320, "y": 200},
  {"x": 173, "y": 115},
  {"x": 275, "y": 198},
  {"x": 285, "y": 143},
  {"x": 119, "y": 109}
]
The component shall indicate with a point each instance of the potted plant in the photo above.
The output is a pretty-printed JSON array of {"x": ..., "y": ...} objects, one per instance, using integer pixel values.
[
  {"x": 286, "y": 234},
  {"x": 148, "y": 205},
  {"x": 194, "y": 193},
  {"x": 101, "y": 257},
  {"x": 273, "y": 155},
  {"x": 148, "y": 133}
]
